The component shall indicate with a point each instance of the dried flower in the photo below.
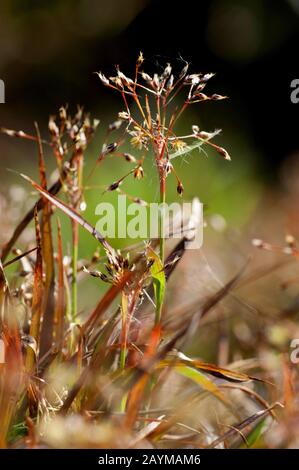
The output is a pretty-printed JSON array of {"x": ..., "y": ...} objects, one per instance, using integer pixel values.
[
  {"x": 53, "y": 128},
  {"x": 178, "y": 144},
  {"x": 184, "y": 71},
  {"x": 147, "y": 78},
  {"x": 216, "y": 97},
  {"x": 139, "y": 139},
  {"x": 125, "y": 80},
  {"x": 180, "y": 188},
  {"x": 207, "y": 77},
  {"x": 167, "y": 71},
  {"x": 129, "y": 158},
  {"x": 140, "y": 59},
  {"x": 223, "y": 152},
  {"x": 124, "y": 116},
  {"x": 195, "y": 129},
  {"x": 167, "y": 167},
  {"x": 257, "y": 243},
  {"x": 138, "y": 172},
  {"x": 114, "y": 126},
  {"x": 109, "y": 148},
  {"x": 115, "y": 185},
  {"x": 290, "y": 240},
  {"x": 103, "y": 79},
  {"x": 99, "y": 274}
]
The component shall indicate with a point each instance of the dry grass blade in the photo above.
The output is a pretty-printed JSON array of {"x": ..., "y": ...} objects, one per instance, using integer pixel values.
[
  {"x": 136, "y": 393},
  {"x": 71, "y": 213},
  {"x": 54, "y": 189},
  {"x": 3, "y": 290},
  {"x": 211, "y": 369},
  {"x": 99, "y": 352},
  {"x": 60, "y": 301},
  {"x": 46, "y": 338},
  {"x": 11, "y": 377},
  {"x": 19, "y": 257},
  {"x": 216, "y": 298},
  {"x": 254, "y": 395},
  {"x": 104, "y": 303},
  {"x": 207, "y": 306},
  {"x": 239, "y": 427},
  {"x": 37, "y": 299}
]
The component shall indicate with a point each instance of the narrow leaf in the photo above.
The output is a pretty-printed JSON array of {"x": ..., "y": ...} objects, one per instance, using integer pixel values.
[{"x": 158, "y": 275}]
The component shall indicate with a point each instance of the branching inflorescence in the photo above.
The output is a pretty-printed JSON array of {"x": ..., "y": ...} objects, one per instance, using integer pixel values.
[{"x": 153, "y": 130}]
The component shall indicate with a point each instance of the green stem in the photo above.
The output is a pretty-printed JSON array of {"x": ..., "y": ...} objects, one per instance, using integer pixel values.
[{"x": 161, "y": 235}]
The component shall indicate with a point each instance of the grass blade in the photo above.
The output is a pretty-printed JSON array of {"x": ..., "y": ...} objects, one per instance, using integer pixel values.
[{"x": 37, "y": 299}]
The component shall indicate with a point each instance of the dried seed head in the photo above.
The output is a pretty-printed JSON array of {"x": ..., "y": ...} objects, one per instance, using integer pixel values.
[
  {"x": 129, "y": 158},
  {"x": 192, "y": 79},
  {"x": 103, "y": 79},
  {"x": 124, "y": 116},
  {"x": 178, "y": 144},
  {"x": 114, "y": 185},
  {"x": 146, "y": 77},
  {"x": 184, "y": 71},
  {"x": 83, "y": 206},
  {"x": 117, "y": 81},
  {"x": 80, "y": 139},
  {"x": 137, "y": 200},
  {"x": 167, "y": 71},
  {"x": 290, "y": 240},
  {"x": 53, "y": 128},
  {"x": 99, "y": 274},
  {"x": 200, "y": 87},
  {"x": 216, "y": 97},
  {"x": 201, "y": 96},
  {"x": 79, "y": 113},
  {"x": 138, "y": 172},
  {"x": 169, "y": 83},
  {"x": 139, "y": 139},
  {"x": 125, "y": 80},
  {"x": 167, "y": 166},
  {"x": 140, "y": 59},
  {"x": 109, "y": 148},
  {"x": 205, "y": 135},
  {"x": 180, "y": 188},
  {"x": 257, "y": 243},
  {"x": 114, "y": 126},
  {"x": 223, "y": 153},
  {"x": 207, "y": 77},
  {"x": 156, "y": 81},
  {"x": 62, "y": 113}
]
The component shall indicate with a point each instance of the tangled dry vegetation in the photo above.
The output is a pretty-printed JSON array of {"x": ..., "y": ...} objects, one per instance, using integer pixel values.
[{"x": 170, "y": 356}]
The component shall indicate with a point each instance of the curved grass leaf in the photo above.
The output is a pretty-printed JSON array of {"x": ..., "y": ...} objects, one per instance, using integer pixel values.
[{"x": 74, "y": 215}]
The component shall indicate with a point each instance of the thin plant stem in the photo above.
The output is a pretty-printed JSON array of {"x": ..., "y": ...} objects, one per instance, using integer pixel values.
[
  {"x": 124, "y": 332},
  {"x": 75, "y": 242},
  {"x": 161, "y": 234}
]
